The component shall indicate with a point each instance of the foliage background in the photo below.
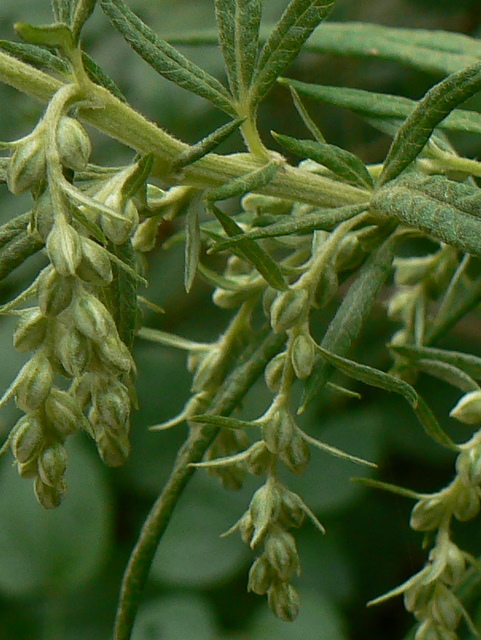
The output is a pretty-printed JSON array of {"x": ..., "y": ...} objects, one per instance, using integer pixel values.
[{"x": 60, "y": 571}]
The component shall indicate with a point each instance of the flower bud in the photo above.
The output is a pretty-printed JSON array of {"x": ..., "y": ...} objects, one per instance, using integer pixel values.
[
  {"x": 50, "y": 497},
  {"x": 27, "y": 166},
  {"x": 466, "y": 505},
  {"x": 349, "y": 254},
  {"x": 268, "y": 298},
  {"x": 326, "y": 288},
  {"x": 263, "y": 509},
  {"x": 246, "y": 528},
  {"x": 64, "y": 412},
  {"x": 273, "y": 372},
  {"x": 468, "y": 465},
  {"x": 256, "y": 203},
  {"x": 454, "y": 561},
  {"x": 146, "y": 234},
  {"x": 278, "y": 431},
  {"x": 429, "y": 630},
  {"x": 292, "y": 513},
  {"x": 73, "y": 349},
  {"x": 52, "y": 464},
  {"x": 113, "y": 352},
  {"x": 410, "y": 271},
  {"x": 92, "y": 318},
  {"x": 118, "y": 230},
  {"x": 417, "y": 598},
  {"x": 261, "y": 576},
  {"x": 229, "y": 298},
  {"x": 73, "y": 144},
  {"x": 302, "y": 355},
  {"x": 54, "y": 292},
  {"x": 28, "y": 436},
  {"x": 30, "y": 330},
  {"x": 281, "y": 552},
  {"x": 34, "y": 383},
  {"x": 284, "y": 600},
  {"x": 63, "y": 247},
  {"x": 114, "y": 449},
  {"x": 95, "y": 265},
  {"x": 444, "y": 608},
  {"x": 427, "y": 514},
  {"x": 288, "y": 308},
  {"x": 206, "y": 372},
  {"x": 259, "y": 461},
  {"x": 28, "y": 469},
  {"x": 42, "y": 218},
  {"x": 112, "y": 403},
  {"x": 296, "y": 455},
  {"x": 468, "y": 408},
  {"x": 400, "y": 305}
]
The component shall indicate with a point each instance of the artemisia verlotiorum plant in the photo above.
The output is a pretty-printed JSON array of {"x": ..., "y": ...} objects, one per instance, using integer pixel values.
[{"x": 299, "y": 233}]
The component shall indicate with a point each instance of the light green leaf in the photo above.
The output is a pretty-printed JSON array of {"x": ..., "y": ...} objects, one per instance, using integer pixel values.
[
  {"x": 206, "y": 145},
  {"x": 98, "y": 75},
  {"x": 467, "y": 362},
  {"x": 392, "y": 488},
  {"x": 444, "y": 209},
  {"x": 381, "y": 105},
  {"x": 82, "y": 12},
  {"x": 252, "y": 252},
  {"x": 223, "y": 421},
  {"x": 344, "y": 164},
  {"x": 238, "y": 22},
  {"x": 51, "y": 35},
  {"x": 448, "y": 373},
  {"x": 295, "y": 26},
  {"x": 171, "y": 340},
  {"x": 429, "y": 112},
  {"x": 192, "y": 243},
  {"x": 164, "y": 58},
  {"x": 306, "y": 118}
]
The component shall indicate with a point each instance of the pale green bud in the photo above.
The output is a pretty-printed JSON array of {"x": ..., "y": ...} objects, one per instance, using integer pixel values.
[
  {"x": 288, "y": 308},
  {"x": 259, "y": 461},
  {"x": 454, "y": 562},
  {"x": 410, "y": 271},
  {"x": 466, "y": 505},
  {"x": 42, "y": 218},
  {"x": 302, "y": 355},
  {"x": 326, "y": 287},
  {"x": 112, "y": 403},
  {"x": 28, "y": 469},
  {"x": 230, "y": 299},
  {"x": 92, "y": 318},
  {"x": 296, "y": 455},
  {"x": 257, "y": 203},
  {"x": 268, "y": 298},
  {"x": 73, "y": 144},
  {"x": 34, "y": 383},
  {"x": 278, "y": 431},
  {"x": 52, "y": 464},
  {"x": 246, "y": 528},
  {"x": 261, "y": 576},
  {"x": 207, "y": 371},
  {"x": 50, "y": 497},
  {"x": 284, "y": 600},
  {"x": 54, "y": 292},
  {"x": 281, "y": 552},
  {"x": 400, "y": 305},
  {"x": 418, "y": 597},
  {"x": 263, "y": 509},
  {"x": 113, "y": 352},
  {"x": 429, "y": 630},
  {"x": 63, "y": 247},
  {"x": 350, "y": 253},
  {"x": 444, "y": 608},
  {"x": 73, "y": 349},
  {"x": 468, "y": 408},
  {"x": 145, "y": 237},
  {"x": 95, "y": 265},
  {"x": 114, "y": 449},
  {"x": 30, "y": 330},
  {"x": 427, "y": 514},
  {"x": 27, "y": 166},
  {"x": 118, "y": 230},
  {"x": 28, "y": 436},
  {"x": 468, "y": 465},
  {"x": 292, "y": 513},
  {"x": 273, "y": 372},
  {"x": 64, "y": 412}
]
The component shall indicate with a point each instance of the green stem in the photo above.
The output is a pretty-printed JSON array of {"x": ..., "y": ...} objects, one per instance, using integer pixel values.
[
  {"x": 199, "y": 439},
  {"x": 119, "y": 121}
]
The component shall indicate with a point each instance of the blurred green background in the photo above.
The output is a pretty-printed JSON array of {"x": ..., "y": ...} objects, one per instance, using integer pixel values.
[{"x": 60, "y": 571}]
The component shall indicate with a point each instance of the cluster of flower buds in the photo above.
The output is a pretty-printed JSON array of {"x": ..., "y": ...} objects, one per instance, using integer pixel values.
[
  {"x": 418, "y": 281},
  {"x": 80, "y": 372}
]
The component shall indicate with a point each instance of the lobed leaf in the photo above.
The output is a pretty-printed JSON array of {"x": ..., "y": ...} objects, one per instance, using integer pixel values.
[
  {"x": 238, "y": 23},
  {"x": 295, "y": 26},
  {"x": 438, "y": 102},
  {"x": 164, "y": 58},
  {"x": 380, "y": 105},
  {"x": 344, "y": 164}
]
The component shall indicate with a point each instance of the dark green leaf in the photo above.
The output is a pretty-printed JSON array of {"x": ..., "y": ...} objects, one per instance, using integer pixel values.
[
  {"x": 429, "y": 112},
  {"x": 252, "y": 252},
  {"x": 353, "y": 312},
  {"x": 446, "y": 210},
  {"x": 377, "y": 378},
  {"x": 448, "y": 373},
  {"x": 206, "y": 145},
  {"x": 15, "y": 252},
  {"x": 238, "y": 22},
  {"x": 245, "y": 183},
  {"x": 98, "y": 75},
  {"x": 344, "y": 164},
  {"x": 82, "y": 12},
  {"x": 284, "y": 43},
  {"x": 192, "y": 244},
  {"x": 36, "y": 56},
  {"x": 138, "y": 176},
  {"x": 381, "y": 105},
  {"x": 464, "y": 361},
  {"x": 164, "y": 58},
  {"x": 306, "y": 118},
  {"x": 62, "y": 10}
]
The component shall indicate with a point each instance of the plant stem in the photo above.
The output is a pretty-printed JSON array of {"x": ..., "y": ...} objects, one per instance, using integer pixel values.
[
  {"x": 228, "y": 397},
  {"x": 119, "y": 121}
]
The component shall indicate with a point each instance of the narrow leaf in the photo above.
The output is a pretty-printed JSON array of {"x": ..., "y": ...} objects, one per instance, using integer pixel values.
[
  {"x": 164, "y": 58},
  {"x": 429, "y": 112},
  {"x": 137, "y": 175},
  {"x": 82, "y": 12},
  {"x": 245, "y": 183},
  {"x": 306, "y": 118},
  {"x": 238, "y": 22},
  {"x": 381, "y": 105},
  {"x": 51, "y": 35},
  {"x": 192, "y": 244},
  {"x": 223, "y": 421},
  {"x": 206, "y": 145},
  {"x": 171, "y": 340},
  {"x": 252, "y": 252},
  {"x": 387, "y": 486},
  {"x": 467, "y": 362},
  {"x": 448, "y": 373},
  {"x": 36, "y": 56},
  {"x": 450, "y": 216},
  {"x": 62, "y": 10},
  {"x": 344, "y": 164},
  {"x": 295, "y": 26},
  {"x": 98, "y": 75},
  {"x": 334, "y": 451}
]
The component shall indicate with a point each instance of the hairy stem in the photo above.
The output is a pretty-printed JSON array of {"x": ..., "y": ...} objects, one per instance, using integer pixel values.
[{"x": 199, "y": 439}]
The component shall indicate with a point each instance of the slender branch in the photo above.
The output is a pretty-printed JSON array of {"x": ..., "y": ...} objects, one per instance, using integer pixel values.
[{"x": 199, "y": 439}]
